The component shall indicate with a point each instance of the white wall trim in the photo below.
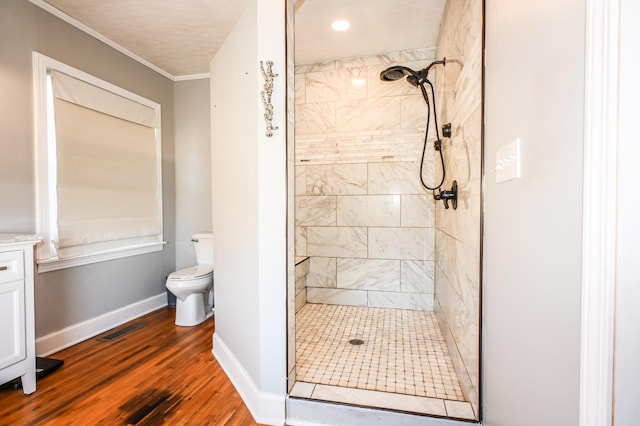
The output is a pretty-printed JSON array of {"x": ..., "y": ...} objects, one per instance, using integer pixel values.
[
  {"x": 54, "y": 264},
  {"x": 69, "y": 336},
  {"x": 191, "y": 77},
  {"x": 265, "y": 407},
  {"x": 93, "y": 33},
  {"x": 599, "y": 212}
]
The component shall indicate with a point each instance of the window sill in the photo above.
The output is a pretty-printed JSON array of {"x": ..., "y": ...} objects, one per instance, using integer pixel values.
[{"x": 54, "y": 263}]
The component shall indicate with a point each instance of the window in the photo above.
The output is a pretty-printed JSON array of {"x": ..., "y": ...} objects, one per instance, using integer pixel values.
[{"x": 98, "y": 167}]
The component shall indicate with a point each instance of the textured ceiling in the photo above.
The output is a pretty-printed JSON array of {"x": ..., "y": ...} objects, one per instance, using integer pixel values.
[
  {"x": 182, "y": 36},
  {"x": 178, "y": 36}
]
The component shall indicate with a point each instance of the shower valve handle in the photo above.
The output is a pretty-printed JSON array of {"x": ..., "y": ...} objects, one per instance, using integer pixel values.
[{"x": 447, "y": 196}]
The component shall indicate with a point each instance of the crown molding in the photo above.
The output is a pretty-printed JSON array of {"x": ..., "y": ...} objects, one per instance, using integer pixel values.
[{"x": 191, "y": 77}]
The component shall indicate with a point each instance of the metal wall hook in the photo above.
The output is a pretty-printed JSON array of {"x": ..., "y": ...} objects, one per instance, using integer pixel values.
[
  {"x": 266, "y": 93},
  {"x": 447, "y": 196}
]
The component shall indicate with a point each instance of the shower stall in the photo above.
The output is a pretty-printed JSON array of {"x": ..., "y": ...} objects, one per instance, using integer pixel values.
[{"x": 386, "y": 302}]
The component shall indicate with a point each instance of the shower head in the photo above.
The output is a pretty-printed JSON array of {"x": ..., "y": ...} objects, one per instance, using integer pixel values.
[
  {"x": 396, "y": 73},
  {"x": 414, "y": 78}
]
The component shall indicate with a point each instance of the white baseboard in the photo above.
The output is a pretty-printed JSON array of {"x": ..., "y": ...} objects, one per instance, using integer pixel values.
[
  {"x": 69, "y": 336},
  {"x": 266, "y": 408}
]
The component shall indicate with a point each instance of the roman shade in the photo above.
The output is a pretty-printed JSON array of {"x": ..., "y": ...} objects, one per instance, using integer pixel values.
[{"x": 107, "y": 168}]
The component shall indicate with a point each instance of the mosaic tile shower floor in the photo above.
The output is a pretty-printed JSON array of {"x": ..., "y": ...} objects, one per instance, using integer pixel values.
[
  {"x": 402, "y": 365},
  {"x": 404, "y": 351}
]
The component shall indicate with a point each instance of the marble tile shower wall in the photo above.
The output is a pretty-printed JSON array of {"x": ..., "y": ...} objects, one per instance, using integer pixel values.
[
  {"x": 360, "y": 211},
  {"x": 458, "y": 232}
]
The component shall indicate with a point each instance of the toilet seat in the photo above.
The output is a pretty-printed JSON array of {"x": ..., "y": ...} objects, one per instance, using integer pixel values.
[
  {"x": 192, "y": 273},
  {"x": 188, "y": 281}
]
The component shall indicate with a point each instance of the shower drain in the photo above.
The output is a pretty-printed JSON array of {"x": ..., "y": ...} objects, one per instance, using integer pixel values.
[{"x": 356, "y": 342}]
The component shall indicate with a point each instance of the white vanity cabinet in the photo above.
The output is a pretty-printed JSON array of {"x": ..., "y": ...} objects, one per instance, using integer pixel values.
[{"x": 17, "y": 326}]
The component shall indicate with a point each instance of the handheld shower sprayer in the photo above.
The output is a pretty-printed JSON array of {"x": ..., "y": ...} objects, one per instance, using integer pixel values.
[{"x": 420, "y": 79}]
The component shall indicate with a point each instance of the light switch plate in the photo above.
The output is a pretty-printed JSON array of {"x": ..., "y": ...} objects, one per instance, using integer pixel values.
[{"x": 508, "y": 162}]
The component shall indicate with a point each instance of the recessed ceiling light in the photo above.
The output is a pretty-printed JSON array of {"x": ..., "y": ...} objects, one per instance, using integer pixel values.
[
  {"x": 358, "y": 82},
  {"x": 340, "y": 25}
]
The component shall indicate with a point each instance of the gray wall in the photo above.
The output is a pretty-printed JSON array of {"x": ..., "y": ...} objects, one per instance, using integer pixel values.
[
  {"x": 192, "y": 166},
  {"x": 69, "y": 296},
  {"x": 532, "y": 235}
]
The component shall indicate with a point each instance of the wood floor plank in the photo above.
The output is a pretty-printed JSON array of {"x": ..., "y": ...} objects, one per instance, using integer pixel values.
[{"x": 157, "y": 374}]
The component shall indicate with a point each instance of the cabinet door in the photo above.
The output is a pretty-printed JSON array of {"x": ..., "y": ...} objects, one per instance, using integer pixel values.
[{"x": 12, "y": 332}]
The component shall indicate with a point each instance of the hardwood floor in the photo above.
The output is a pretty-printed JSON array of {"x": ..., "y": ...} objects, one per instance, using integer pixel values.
[{"x": 157, "y": 374}]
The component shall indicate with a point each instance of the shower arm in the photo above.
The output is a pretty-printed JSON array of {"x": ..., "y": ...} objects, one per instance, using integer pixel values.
[{"x": 441, "y": 62}]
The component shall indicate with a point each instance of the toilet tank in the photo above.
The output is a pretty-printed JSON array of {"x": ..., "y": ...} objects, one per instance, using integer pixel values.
[{"x": 203, "y": 244}]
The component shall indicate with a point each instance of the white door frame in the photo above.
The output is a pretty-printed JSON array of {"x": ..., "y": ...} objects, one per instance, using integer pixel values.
[{"x": 599, "y": 212}]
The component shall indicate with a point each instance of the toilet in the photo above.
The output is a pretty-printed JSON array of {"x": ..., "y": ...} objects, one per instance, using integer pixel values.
[{"x": 193, "y": 287}]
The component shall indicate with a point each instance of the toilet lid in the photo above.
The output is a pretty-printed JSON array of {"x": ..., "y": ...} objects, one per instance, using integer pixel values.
[{"x": 191, "y": 273}]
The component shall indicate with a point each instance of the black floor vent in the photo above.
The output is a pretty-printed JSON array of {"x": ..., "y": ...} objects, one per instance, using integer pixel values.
[{"x": 117, "y": 334}]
